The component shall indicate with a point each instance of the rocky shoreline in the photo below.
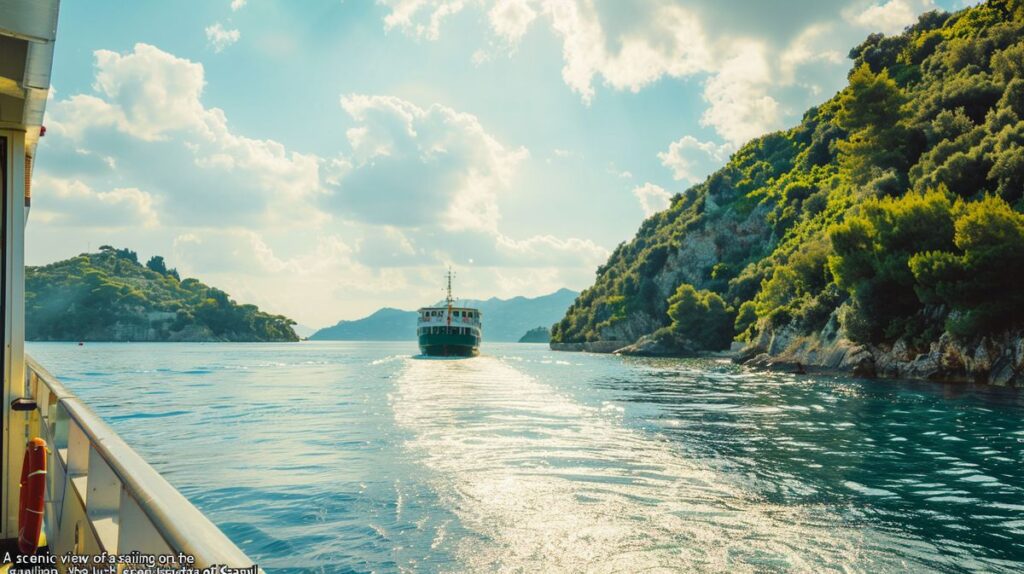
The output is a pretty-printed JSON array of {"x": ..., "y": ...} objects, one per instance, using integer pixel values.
[
  {"x": 993, "y": 360},
  {"x": 997, "y": 361}
]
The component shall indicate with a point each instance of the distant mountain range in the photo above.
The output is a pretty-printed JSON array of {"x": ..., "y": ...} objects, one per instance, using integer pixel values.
[{"x": 504, "y": 319}]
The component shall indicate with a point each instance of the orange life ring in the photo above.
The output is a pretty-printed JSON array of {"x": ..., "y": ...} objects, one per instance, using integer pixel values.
[{"x": 33, "y": 491}]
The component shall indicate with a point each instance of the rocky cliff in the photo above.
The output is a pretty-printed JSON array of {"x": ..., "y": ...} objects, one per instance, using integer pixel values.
[
  {"x": 995, "y": 360},
  {"x": 883, "y": 235}
]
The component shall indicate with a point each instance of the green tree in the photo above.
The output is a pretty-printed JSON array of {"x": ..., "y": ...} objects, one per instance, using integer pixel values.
[
  {"x": 746, "y": 319},
  {"x": 977, "y": 278},
  {"x": 701, "y": 317},
  {"x": 872, "y": 250},
  {"x": 870, "y": 110},
  {"x": 156, "y": 263}
]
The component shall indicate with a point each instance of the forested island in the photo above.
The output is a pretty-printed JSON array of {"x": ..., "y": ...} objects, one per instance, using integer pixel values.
[
  {"x": 536, "y": 335},
  {"x": 110, "y": 296},
  {"x": 882, "y": 235}
]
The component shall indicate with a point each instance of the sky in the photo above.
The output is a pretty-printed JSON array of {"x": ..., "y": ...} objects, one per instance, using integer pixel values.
[{"x": 326, "y": 158}]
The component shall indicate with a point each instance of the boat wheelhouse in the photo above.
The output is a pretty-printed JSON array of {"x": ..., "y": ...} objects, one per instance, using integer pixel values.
[{"x": 449, "y": 330}]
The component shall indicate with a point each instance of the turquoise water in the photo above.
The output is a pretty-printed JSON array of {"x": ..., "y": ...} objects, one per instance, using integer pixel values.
[{"x": 357, "y": 457}]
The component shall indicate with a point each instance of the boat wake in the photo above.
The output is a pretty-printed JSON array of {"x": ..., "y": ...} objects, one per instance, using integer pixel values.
[{"x": 546, "y": 484}]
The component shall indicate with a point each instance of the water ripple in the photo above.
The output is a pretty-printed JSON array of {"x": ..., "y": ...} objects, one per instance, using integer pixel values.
[{"x": 355, "y": 457}]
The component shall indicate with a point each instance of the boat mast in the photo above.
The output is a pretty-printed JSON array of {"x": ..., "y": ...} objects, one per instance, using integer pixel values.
[{"x": 448, "y": 299}]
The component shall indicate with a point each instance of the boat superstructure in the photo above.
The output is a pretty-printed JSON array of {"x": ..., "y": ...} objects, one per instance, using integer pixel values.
[
  {"x": 449, "y": 330},
  {"x": 100, "y": 496}
]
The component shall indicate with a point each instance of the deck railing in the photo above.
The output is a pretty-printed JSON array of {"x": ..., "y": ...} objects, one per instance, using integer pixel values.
[{"x": 103, "y": 497}]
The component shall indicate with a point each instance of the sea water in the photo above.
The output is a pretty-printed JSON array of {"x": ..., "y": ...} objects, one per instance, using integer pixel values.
[{"x": 362, "y": 457}]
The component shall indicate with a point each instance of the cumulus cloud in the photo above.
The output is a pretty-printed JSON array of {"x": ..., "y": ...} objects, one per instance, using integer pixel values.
[
  {"x": 405, "y": 14},
  {"x": 668, "y": 41},
  {"x": 510, "y": 19},
  {"x": 145, "y": 93},
  {"x": 689, "y": 158},
  {"x": 626, "y": 51},
  {"x": 237, "y": 5},
  {"x": 810, "y": 46},
  {"x": 652, "y": 198},
  {"x": 420, "y": 167},
  {"x": 739, "y": 107},
  {"x": 78, "y": 205},
  {"x": 147, "y": 117},
  {"x": 413, "y": 187},
  {"x": 220, "y": 37},
  {"x": 888, "y": 17},
  {"x": 630, "y": 44}
]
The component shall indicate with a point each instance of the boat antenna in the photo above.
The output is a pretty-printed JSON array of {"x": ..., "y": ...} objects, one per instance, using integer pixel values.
[{"x": 449, "y": 297}]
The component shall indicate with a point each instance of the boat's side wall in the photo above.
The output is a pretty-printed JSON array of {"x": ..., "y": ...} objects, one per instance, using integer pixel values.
[{"x": 14, "y": 332}]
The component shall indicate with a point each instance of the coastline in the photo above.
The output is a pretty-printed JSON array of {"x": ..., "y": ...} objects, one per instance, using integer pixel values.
[{"x": 997, "y": 361}]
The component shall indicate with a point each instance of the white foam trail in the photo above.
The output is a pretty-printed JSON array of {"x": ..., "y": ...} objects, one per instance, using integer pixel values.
[{"x": 548, "y": 485}]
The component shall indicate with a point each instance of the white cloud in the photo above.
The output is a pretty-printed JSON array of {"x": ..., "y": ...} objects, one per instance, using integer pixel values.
[
  {"x": 810, "y": 46},
  {"x": 403, "y": 15},
  {"x": 690, "y": 159},
  {"x": 631, "y": 44},
  {"x": 547, "y": 250},
  {"x": 416, "y": 167},
  {"x": 81, "y": 206},
  {"x": 220, "y": 37},
  {"x": 237, "y": 5},
  {"x": 739, "y": 107},
  {"x": 510, "y": 19},
  {"x": 888, "y": 17},
  {"x": 147, "y": 93},
  {"x": 414, "y": 187},
  {"x": 148, "y": 119},
  {"x": 668, "y": 41},
  {"x": 652, "y": 198}
]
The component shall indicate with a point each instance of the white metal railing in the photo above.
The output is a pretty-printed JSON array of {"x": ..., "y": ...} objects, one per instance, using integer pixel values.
[{"x": 101, "y": 496}]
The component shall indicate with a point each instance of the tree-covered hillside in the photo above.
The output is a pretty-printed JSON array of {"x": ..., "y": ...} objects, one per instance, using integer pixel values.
[
  {"x": 536, "y": 335},
  {"x": 110, "y": 296},
  {"x": 893, "y": 211}
]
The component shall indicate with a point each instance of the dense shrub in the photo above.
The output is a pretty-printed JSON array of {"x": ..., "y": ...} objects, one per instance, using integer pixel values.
[{"x": 701, "y": 317}]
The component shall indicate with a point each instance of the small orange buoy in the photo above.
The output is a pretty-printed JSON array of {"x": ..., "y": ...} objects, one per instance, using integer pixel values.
[{"x": 33, "y": 490}]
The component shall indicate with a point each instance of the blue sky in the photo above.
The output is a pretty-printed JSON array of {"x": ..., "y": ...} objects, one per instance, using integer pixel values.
[{"x": 325, "y": 158}]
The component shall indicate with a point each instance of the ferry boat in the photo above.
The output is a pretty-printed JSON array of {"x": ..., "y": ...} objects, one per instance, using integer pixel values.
[
  {"x": 88, "y": 493},
  {"x": 449, "y": 330}
]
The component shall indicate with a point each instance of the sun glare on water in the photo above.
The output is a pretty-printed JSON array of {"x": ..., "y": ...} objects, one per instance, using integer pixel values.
[{"x": 546, "y": 484}]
